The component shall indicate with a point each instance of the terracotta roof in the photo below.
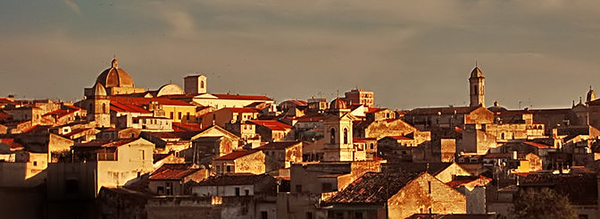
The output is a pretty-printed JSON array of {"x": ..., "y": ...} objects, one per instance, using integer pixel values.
[
  {"x": 173, "y": 172},
  {"x": 272, "y": 124},
  {"x": 60, "y": 112},
  {"x": 374, "y": 110},
  {"x": 194, "y": 127},
  {"x": 4, "y": 115},
  {"x": 127, "y": 107},
  {"x": 10, "y": 142},
  {"x": 278, "y": 145},
  {"x": 296, "y": 102},
  {"x": 538, "y": 145},
  {"x": 235, "y": 155},
  {"x": 104, "y": 143},
  {"x": 401, "y": 137},
  {"x": 144, "y": 101},
  {"x": 241, "y": 97},
  {"x": 372, "y": 188},
  {"x": 5, "y": 100},
  {"x": 234, "y": 179}
]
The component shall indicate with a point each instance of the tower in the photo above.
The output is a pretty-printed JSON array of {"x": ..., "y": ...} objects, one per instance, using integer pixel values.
[
  {"x": 591, "y": 96},
  {"x": 339, "y": 144},
  {"x": 99, "y": 107},
  {"x": 194, "y": 84},
  {"x": 477, "y": 88}
]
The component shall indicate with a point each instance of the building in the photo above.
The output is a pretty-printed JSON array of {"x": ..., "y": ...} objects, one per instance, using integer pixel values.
[
  {"x": 394, "y": 195},
  {"x": 243, "y": 161},
  {"x": 114, "y": 162},
  {"x": 360, "y": 97}
]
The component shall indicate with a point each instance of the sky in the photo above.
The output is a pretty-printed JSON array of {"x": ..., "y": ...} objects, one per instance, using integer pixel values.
[{"x": 534, "y": 53}]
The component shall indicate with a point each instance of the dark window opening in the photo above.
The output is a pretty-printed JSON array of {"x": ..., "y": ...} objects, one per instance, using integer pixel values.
[{"x": 237, "y": 191}]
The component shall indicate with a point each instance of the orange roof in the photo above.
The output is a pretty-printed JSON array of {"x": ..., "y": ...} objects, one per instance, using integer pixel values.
[
  {"x": 11, "y": 143},
  {"x": 127, "y": 107},
  {"x": 104, "y": 143},
  {"x": 144, "y": 101},
  {"x": 241, "y": 97},
  {"x": 400, "y": 137},
  {"x": 172, "y": 172},
  {"x": 538, "y": 145},
  {"x": 272, "y": 124},
  {"x": 61, "y": 112}
]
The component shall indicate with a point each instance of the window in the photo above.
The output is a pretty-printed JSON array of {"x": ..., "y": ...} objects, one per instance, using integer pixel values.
[
  {"x": 247, "y": 192},
  {"x": 160, "y": 190},
  {"x": 429, "y": 187},
  {"x": 171, "y": 115},
  {"x": 359, "y": 215},
  {"x": 143, "y": 155},
  {"x": 104, "y": 108},
  {"x": 237, "y": 191},
  {"x": 202, "y": 84},
  {"x": 169, "y": 188},
  {"x": 332, "y": 136},
  {"x": 371, "y": 146},
  {"x": 345, "y": 136},
  {"x": 179, "y": 115},
  {"x": 309, "y": 215},
  {"x": 34, "y": 163},
  {"x": 228, "y": 169},
  {"x": 264, "y": 215}
]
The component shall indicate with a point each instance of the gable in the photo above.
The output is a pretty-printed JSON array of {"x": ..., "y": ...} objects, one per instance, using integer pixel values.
[
  {"x": 215, "y": 131},
  {"x": 448, "y": 173},
  {"x": 481, "y": 115}
]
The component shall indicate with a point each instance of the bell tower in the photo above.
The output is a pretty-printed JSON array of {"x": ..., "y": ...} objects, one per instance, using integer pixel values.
[{"x": 477, "y": 88}]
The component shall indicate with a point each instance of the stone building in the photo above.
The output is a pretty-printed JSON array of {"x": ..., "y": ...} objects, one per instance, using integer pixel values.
[
  {"x": 394, "y": 195},
  {"x": 243, "y": 161}
]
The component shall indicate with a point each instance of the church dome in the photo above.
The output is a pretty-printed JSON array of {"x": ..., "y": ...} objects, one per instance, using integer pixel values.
[
  {"x": 115, "y": 77},
  {"x": 338, "y": 103},
  {"x": 477, "y": 73},
  {"x": 99, "y": 90}
]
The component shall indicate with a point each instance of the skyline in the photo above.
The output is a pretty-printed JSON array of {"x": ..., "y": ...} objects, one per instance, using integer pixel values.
[{"x": 411, "y": 54}]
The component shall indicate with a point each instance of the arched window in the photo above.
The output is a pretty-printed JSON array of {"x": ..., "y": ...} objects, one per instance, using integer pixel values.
[
  {"x": 103, "y": 107},
  {"x": 345, "y": 136},
  {"x": 202, "y": 84},
  {"x": 502, "y": 136},
  {"x": 332, "y": 136}
]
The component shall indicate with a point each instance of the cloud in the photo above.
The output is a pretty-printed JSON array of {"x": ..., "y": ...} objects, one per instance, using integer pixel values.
[{"x": 73, "y": 6}]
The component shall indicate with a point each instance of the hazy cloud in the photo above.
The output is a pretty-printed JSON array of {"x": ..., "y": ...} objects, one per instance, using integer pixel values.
[{"x": 411, "y": 53}]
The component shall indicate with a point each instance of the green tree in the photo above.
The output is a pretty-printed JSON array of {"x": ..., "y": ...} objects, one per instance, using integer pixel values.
[{"x": 541, "y": 202}]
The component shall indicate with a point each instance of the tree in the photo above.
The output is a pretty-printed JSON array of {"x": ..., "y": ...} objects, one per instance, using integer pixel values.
[{"x": 541, "y": 202}]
